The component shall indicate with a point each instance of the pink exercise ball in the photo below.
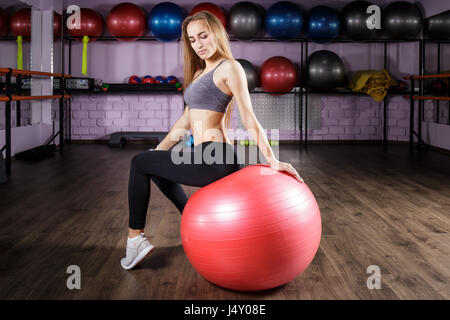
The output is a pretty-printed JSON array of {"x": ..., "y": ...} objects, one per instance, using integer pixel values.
[{"x": 255, "y": 229}]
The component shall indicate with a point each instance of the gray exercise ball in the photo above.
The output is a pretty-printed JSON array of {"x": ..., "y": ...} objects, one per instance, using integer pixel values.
[
  {"x": 401, "y": 20},
  {"x": 438, "y": 26},
  {"x": 245, "y": 20},
  {"x": 250, "y": 72},
  {"x": 325, "y": 70},
  {"x": 354, "y": 20}
]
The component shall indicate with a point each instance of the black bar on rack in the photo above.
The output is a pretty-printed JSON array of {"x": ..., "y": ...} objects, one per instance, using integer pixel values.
[
  {"x": 70, "y": 56},
  {"x": 19, "y": 92},
  {"x": 411, "y": 115},
  {"x": 306, "y": 95},
  {"x": 69, "y": 116},
  {"x": 302, "y": 82},
  {"x": 70, "y": 100},
  {"x": 8, "y": 124},
  {"x": 385, "y": 99},
  {"x": 421, "y": 81},
  {"x": 62, "y": 86},
  {"x": 438, "y": 71},
  {"x": 448, "y": 104}
]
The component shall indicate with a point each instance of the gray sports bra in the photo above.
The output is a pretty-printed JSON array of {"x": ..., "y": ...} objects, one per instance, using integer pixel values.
[{"x": 204, "y": 94}]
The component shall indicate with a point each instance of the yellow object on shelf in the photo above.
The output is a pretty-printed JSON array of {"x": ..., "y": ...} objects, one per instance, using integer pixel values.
[
  {"x": 84, "y": 57},
  {"x": 374, "y": 83},
  {"x": 19, "y": 53}
]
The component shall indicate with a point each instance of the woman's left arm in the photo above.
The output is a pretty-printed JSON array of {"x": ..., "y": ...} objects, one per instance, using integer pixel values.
[{"x": 236, "y": 81}]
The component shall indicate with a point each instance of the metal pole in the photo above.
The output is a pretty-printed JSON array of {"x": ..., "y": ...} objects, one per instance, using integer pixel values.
[
  {"x": 438, "y": 71},
  {"x": 306, "y": 96},
  {"x": 411, "y": 115},
  {"x": 8, "y": 124},
  {"x": 19, "y": 92},
  {"x": 62, "y": 86},
  {"x": 421, "y": 72},
  {"x": 301, "y": 93},
  {"x": 69, "y": 112},
  {"x": 385, "y": 100}
]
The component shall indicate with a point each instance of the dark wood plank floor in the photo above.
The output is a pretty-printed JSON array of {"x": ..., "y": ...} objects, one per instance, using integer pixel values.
[{"x": 380, "y": 206}]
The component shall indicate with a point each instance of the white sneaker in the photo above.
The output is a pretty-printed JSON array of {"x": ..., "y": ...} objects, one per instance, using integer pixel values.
[{"x": 136, "y": 251}]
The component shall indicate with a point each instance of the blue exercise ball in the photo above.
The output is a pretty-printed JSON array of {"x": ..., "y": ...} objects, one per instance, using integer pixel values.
[
  {"x": 165, "y": 21},
  {"x": 284, "y": 20},
  {"x": 323, "y": 24}
]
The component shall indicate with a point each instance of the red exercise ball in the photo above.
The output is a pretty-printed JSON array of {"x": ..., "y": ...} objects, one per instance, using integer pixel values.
[
  {"x": 126, "y": 20},
  {"x": 134, "y": 79},
  {"x": 21, "y": 23},
  {"x": 278, "y": 74},
  {"x": 255, "y": 229},
  {"x": 212, "y": 8},
  {"x": 91, "y": 25},
  {"x": 4, "y": 23},
  {"x": 56, "y": 25}
]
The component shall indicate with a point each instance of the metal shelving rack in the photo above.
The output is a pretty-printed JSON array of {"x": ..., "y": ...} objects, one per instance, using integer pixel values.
[{"x": 304, "y": 90}]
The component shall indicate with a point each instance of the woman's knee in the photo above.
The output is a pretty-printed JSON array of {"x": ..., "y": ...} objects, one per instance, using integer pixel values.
[{"x": 138, "y": 159}]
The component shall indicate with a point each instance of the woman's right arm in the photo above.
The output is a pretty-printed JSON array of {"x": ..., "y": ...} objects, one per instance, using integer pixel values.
[{"x": 178, "y": 130}]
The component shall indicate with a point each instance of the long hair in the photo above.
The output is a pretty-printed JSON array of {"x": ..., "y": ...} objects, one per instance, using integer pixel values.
[{"x": 192, "y": 62}]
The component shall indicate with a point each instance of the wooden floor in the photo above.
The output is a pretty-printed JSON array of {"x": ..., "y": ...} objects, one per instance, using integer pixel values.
[{"x": 380, "y": 206}]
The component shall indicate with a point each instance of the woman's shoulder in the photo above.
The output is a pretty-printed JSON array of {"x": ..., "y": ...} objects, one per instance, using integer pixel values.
[
  {"x": 231, "y": 65},
  {"x": 230, "y": 62}
]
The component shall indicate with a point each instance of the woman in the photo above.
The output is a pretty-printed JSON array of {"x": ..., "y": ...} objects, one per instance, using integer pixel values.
[{"x": 213, "y": 80}]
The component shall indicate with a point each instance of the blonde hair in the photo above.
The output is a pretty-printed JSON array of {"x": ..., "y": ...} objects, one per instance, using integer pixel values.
[{"x": 192, "y": 62}]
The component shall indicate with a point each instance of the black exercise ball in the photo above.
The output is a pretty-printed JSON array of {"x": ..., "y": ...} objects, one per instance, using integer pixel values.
[
  {"x": 250, "y": 72},
  {"x": 245, "y": 20},
  {"x": 438, "y": 26},
  {"x": 401, "y": 20},
  {"x": 325, "y": 70},
  {"x": 354, "y": 18}
]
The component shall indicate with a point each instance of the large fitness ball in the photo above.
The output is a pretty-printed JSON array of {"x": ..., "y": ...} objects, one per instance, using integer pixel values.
[
  {"x": 91, "y": 25},
  {"x": 245, "y": 20},
  {"x": 56, "y": 25},
  {"x": 250, "y": 72},
  {"x": 323, "y": 24},
  {"x": 438, "y": 26},
  {"x": 4, "y": 23},
  {"x": 255, "y": 229},
  {"x": 165, "y": 21},
  {"x": 284, "y": 20},
  {"x": 127, "y": 20},
  {"x": 354, "y": 19},
  {"x": 325, "y": 70},
  {"x": 21, "y": 23},
  {"x": 211, "y": 8},
  {"x": 401, "y": 20},
  {"x": 278, "y": 74}
]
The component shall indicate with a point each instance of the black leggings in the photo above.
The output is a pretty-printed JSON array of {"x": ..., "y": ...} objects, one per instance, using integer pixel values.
[{"x": 195, "y": 166}]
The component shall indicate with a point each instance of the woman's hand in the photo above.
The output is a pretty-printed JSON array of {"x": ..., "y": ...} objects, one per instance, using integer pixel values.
[{"x": 283, "y": 166}]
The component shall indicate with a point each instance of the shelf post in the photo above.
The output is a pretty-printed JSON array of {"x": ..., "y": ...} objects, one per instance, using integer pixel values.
[
  {"x": 8, "y": 124},
  {"x": 421, "y": 81},
  {"x": 411, "y": 115}
]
